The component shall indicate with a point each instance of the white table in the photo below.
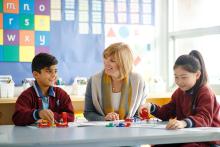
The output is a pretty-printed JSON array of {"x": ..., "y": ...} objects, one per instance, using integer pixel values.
[{"x": 11, "y": 135}]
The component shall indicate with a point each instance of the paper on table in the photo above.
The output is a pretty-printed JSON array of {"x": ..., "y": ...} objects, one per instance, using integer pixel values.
[
  {"x": 87, "y": 124},
  {"x": 149, "y": 125},
  {"x": 93, "y": 123}
]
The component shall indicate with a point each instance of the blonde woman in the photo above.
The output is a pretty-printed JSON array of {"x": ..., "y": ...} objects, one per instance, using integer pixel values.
[{"x": 116, "y": 92}]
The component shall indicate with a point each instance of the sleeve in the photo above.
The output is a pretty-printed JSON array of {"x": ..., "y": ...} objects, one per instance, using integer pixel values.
[
  {"x": 24, "y": 110},
  {"x": 166, "y": 111},
  {"x": 90, "y": 113},
  {"x": 65, "y": 106},
  {"x": 145, "y": 92},
  {"x": 204, "y": 112}
]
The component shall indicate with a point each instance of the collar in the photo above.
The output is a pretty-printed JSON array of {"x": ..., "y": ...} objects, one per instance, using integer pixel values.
[
  {"x": 190, "y": 91},
  {"x": 39, "y": 92}
]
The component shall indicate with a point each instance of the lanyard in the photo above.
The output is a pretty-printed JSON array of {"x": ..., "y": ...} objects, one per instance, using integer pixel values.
[{"x": 43, "y": 103}]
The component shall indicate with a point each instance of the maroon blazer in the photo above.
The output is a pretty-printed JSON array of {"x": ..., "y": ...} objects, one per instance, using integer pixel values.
[{"x": 207, "y": 109}]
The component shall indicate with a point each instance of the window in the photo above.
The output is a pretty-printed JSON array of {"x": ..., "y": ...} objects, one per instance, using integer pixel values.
[{"x": 193, "y": 25}]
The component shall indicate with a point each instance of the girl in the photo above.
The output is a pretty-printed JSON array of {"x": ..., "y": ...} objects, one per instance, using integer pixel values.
[{"x": 193, "y": 104}]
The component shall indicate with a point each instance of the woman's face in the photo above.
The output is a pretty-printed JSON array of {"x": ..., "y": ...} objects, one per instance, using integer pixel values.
[
  {"x": 111, "y": 67},
  {"x": 184, "y": 79}
]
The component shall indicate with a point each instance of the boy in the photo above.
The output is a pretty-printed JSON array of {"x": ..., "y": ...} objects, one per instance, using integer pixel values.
[{"x": 42, "y": 100}]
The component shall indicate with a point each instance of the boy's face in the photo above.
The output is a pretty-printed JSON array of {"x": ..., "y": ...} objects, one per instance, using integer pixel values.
[{"x": 47, "y": 76}]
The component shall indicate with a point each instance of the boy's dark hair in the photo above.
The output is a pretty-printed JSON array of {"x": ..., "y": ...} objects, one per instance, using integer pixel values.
[
  {"x": 192, "y": 63},
  {"x": 43, "y": 60}
]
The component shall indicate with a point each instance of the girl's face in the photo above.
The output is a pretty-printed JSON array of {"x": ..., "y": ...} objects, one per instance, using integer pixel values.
[
  {"x": 184, "y": 79},
  {"x": 111, "y": 67}
]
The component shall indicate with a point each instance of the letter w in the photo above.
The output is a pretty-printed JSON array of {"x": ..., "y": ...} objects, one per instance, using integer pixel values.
[{"x": 11, "y": 37}]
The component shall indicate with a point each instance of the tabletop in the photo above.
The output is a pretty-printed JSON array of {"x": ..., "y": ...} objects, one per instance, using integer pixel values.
[{"x": 11, "y": 135}]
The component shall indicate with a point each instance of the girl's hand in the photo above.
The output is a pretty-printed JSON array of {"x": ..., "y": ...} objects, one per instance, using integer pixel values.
[
  {"x": 175, "y": 124},
  {"x": 112, "y": 116},
  {"x": 141, "y": 109}
]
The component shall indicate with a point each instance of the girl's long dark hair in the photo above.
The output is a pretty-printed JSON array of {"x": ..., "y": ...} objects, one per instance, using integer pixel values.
[
  {"x": 192, "y": 63},
  {"x": 203, "y": 77}
]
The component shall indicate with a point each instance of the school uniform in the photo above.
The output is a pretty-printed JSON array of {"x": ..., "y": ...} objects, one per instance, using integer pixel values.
[
  {"x": 206, "y": 112},
  {"x": 31, "y": 101}
]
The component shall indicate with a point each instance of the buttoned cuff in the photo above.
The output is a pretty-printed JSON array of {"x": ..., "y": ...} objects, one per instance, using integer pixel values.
[
  {"x": 189, "y": 123},
  {"x": 152, "y": 108},
  {"x": 36, "y": 114}
]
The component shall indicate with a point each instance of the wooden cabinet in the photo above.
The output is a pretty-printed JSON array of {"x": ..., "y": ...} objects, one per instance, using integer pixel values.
[{"x": 7, "y": 107}]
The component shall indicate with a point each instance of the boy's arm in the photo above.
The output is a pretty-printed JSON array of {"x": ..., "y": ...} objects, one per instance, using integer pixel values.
[{"x": 24, "y": 110}]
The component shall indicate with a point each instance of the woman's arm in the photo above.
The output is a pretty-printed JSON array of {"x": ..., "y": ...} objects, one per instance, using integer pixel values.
[{"x": 90, "y": 113}]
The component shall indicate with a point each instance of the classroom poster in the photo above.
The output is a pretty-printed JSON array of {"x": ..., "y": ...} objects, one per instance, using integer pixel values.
[
  {"x": 24, "y": 29},
  {"x": 141, "y": 41},
  {"x": 75, "y": 31}
]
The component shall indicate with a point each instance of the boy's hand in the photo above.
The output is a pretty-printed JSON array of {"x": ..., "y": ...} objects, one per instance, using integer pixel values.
[
  {"x": 112, "y": 116},
  {"x": 144, "y": 111},
  {"x": 46, "y": 114},
  {"x": 175, "y": 124}
]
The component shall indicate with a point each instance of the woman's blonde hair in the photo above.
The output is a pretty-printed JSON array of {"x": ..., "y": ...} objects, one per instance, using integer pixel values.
[{"x": 122, "y": 54}]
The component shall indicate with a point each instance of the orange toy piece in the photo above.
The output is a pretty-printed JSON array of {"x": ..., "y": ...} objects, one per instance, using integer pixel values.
[
  {"x": 144, "y": 114},
  {"x": 44, "y": 124}
]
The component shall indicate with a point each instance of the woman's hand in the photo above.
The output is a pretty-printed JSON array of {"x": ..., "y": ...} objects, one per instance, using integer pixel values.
[
  {"x": 112, "y": 116},
  {"x": 175, "y": 124}
]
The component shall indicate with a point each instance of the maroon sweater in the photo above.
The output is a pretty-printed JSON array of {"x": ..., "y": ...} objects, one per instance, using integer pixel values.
[
  {"x": 207, "y": 109},
  {"x": 27, "y": 103}
]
